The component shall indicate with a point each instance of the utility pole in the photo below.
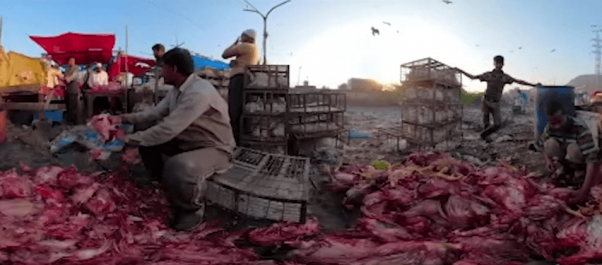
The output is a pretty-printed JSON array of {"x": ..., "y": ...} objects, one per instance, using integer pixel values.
[
  {"x": 299, "y": 76},
  {"x": 598, "y": 53},
  {"x": 265, "y": 21}
]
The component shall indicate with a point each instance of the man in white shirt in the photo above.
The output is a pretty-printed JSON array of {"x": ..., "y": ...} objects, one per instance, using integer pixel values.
[
  {"x": 192, "y": 131},
  {"x": 98, "y": 77}
]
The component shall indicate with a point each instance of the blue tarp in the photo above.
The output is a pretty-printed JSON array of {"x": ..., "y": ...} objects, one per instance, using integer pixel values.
[{"x": 201, "y": 62}]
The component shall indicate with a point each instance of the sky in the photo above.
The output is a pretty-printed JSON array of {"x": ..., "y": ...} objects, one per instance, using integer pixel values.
[{"x": 326, "y": 42}]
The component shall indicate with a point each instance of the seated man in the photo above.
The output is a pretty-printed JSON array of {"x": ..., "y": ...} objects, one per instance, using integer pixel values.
[
  {"x": 192, "y": 132},
  {"x": 568, "y": 141},
  {"x": 98, "y": 78}
]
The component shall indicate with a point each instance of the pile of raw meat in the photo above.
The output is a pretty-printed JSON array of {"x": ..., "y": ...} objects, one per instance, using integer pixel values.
[
  {"x": 56, "y": 215},
  {"x": 429, "y": 209},
  {"x": 432, "y": 209}
]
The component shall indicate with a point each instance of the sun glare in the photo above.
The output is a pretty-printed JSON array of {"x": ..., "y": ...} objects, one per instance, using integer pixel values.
[{"x": 337, "y": 54}]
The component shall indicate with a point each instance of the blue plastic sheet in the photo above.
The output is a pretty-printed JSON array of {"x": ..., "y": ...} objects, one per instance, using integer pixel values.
[{"x": 202, "y": 62}]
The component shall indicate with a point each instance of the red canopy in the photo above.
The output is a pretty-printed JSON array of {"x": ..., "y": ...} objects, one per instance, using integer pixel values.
[
  {"x": 136, "y": 65},
  {"x": 85, "y": 48}
]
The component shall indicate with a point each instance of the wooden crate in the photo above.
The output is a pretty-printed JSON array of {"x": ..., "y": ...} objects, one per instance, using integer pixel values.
[{"x": 263, "y": 186}]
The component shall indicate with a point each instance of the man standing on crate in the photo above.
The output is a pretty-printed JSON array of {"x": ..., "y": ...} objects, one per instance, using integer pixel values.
[
  {"x": 190, "y": 141},
  {"x": 246, "y": 53},
  {"x": 496, "y": 80}
]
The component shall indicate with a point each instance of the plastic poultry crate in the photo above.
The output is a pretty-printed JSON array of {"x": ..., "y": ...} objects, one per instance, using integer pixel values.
[
  {"x": 276, "y": 189},
  {"x": 317, "y": 102},
  {"x": 268, "y": 77}
]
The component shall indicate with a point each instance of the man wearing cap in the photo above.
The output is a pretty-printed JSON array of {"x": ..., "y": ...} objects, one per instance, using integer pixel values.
[
  {"x": 98, "y": 78},
  {"x": 246, "y": 53}
]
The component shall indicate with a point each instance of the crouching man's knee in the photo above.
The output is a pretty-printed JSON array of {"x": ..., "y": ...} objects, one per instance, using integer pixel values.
[
  {"x": 552, "y": 148},
  {"x": 574, "y": 155}
]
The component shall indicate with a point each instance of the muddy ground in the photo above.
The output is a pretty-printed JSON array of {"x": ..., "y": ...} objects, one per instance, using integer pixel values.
[{"x": 29, "y": 145}]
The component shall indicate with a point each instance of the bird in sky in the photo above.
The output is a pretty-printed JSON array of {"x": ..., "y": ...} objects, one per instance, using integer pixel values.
[
  {"x": 397, "y": 31},
  {"x": 593, "y": 26},
  {"x": 511, "y": 51},
  {"x": 520, "y": 48},
  {"x": 386, "y": 23},
  {"x": 553, "y": 50},
  {"x": 447, "y": 2},
  {"x": 478, "y": 45},
  {"x": 375, "y": 31}
]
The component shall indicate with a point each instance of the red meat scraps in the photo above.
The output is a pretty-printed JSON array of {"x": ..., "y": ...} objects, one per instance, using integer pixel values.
[
  {"x": 283, "y": 233},
  {"x": 102, "y": 124}
]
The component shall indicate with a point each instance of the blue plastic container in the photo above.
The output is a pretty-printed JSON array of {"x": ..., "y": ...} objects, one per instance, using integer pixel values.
[
  {"x": 546, "y": 94},
  {"x": 50, "y": 115}
]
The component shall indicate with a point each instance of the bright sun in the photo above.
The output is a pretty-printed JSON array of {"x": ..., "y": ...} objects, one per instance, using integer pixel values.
[{"x": 337, "y": 54}]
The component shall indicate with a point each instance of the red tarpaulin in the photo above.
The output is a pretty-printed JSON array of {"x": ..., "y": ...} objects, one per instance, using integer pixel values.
[
  {"x": 136, "y": 65},
  {"x": 85, "y": 48}
]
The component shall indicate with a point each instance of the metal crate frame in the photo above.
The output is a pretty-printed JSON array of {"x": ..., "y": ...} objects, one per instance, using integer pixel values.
[
  {"x": 277, "y": 77},
  {"x": 317, "y": 102},
  {"x": 430, "y": 66},
  {"x": 419, "y": 132},
  {"x": 264, "y": 122},
  {"x": 267, "y": 97},
  {"x": 305, "y": 119},
  {"x": 434, "y": 114}
]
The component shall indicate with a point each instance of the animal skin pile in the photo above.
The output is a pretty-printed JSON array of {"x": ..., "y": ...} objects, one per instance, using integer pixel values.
[{"x": 428, "y": 209}]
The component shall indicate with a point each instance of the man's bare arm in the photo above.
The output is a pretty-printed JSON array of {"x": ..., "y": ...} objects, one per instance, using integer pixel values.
[
  {"x": 231, "y": 51},
  {"x": 525, "y": 83},
  {"x": 466, "y": 74},
  {"x": 591, "y": 179}
]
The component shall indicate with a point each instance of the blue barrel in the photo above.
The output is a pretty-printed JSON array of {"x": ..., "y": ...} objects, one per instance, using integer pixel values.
[{"x": 546, "y": 94}]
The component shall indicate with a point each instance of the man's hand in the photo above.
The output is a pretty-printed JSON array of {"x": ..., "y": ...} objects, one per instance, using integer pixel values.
[
  {"x": 120, "y": 135},
  {"x": 116, "y": 119}
]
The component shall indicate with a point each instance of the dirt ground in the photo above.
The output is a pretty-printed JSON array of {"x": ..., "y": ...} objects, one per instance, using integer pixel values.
[{"x": 28, "y": 145}]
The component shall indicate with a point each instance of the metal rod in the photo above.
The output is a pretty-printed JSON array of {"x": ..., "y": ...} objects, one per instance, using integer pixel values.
[
  {"x": 265, "y": 22},
  {"x": 126, "y": 56},
  {"x": 0, "y": 30}
]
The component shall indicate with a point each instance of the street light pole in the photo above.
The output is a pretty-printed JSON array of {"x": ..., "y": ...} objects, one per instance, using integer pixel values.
[{"x": 265, "y": 22}]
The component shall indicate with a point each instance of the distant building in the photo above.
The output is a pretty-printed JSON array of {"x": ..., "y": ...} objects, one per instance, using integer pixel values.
[{"x": 305, "y": 88}]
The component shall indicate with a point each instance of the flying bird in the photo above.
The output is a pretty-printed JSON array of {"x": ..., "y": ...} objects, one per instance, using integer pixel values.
[
  {"x": 511, "y": 51},
  {"x": 397, "y": 31},
  {"x": 520, "y": 48},
  {"x": 447, "y": 2},
  {"x": 553, "y": 50},
  {"x": 386, "y": 23},
  {"x": 593, "y": 26},
  {"x": 477, "y": 45},
  {"x": 375, "y": 31}
]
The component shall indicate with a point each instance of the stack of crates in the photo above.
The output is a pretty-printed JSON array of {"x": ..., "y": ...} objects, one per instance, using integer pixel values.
[
  {"x": 263, "y": 121},
  {"x": 218, "y": 78},
  {"x": 315, "y": 115},
  {"x": 274, "y": 117},
  {"x": 431, "y": 110}
]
